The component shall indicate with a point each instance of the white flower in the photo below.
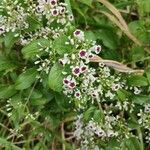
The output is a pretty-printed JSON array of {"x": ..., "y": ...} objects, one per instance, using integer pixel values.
[
  {"x": 62, "y": 10},
  {"x": 96, "y": 49},
  {"x": 77, "y": 94},
  {"x": 53, "y": 3},
  {"x": 101, "y": 64},
  {"x": 147, "y": 108},
  {"x": 125, "y": 105},
  {"x": 137, "y": 91},
  {"x": 83, "y": 54},
  {"x": 64, "y": 60},
  {"x": 115, "y": 87},
  {"x": 67, "y": 80},
  {"x": 2, "y": 29},
  {"x": 54, "y": 12},
  {"x": 79, "y": 34},
  {"x": 72, "y": 84},
  {"x": 40, "y": 8},
  {"x": 95, "y": 94},
  {"x": 100, "y": 132},
  {"x": 78, "y": 128},
  {"x": 70, "y": 17},
  {"x": 76, "y": 71}
]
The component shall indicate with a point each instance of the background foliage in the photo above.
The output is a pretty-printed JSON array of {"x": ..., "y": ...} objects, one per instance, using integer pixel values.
[{"x": 35, "y": 117}]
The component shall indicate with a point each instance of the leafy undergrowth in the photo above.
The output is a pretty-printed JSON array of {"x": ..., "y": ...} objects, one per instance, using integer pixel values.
[{"x": 74, "y": 75}]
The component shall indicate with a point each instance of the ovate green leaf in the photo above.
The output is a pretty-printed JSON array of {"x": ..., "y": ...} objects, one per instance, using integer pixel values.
[
  {"x": 9, "y": 40},
  {"x": 7, "y": 91},
  {"x": 55, "y": 78},
  {"x": 132, "y": 143},
  {"x": 30, "y": 51},
  {"x": 60, "y": 45},
  {"x": 141, "y": 99},
  {"x": 6, "y": 65},
  {"x": 26, "y": 79},
  {"x": 137, "y": 80}
]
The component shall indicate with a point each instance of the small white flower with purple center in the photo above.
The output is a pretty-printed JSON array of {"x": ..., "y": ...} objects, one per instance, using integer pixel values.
[
  {"x": 96, "y": 49},
  {"x": 77, "y": 94},
  {"x": 76, "y": 71},
  {"x": 116, "y": 87},
  {"x": 65, "y": 60},
  {"x": 83, "y": 67},
  {"x": 53, "y": 3},
  {"x": 70, "y": 17},
  {"x": 95, "y": 94},
  {"x": 72, "y": 83},
  {"x": 67, "y": 80},
  {"x": 89, "y": 56},
  {"x": 62, "y": 10},
  {"x": 55, "y": 12},
  {"x": 83, "y": 54},
  {"x": 79, "y": 34}
]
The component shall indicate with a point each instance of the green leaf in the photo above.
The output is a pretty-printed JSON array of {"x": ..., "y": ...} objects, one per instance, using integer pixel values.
[
  {"x": 60, "y": 46},
  {"x": 123, "y": 94},
  {"x": 15, "y": 99},
  {"x": 98, "y": 116},
  {"x": 33, "y": 23},
  {"x": 132, "y": 144},
  {"x": 37, "y": 98},
  {"x": 36, "y": 94},
  {"x": 55, "y": 79},
  {"x": 89, "y": 35},
  {"x": 7, "y": 91},
  {"x": 141, "y": 99},
  {"x": 62, "y": 102},
  {"x": 88, "y": 114},
  {"x": 38, "y": 101},
  {"x": 69, "y": 6},
  {"x": 137, "y": 53},
  {"x": 108, "y": 37},
  {"x": 6, "y": 65},
  {"x": 148, "y": 75},
  {"x": 9, "y": 40},
  {"x": 135, "y": 26},
  {"x": 133, "y": 124},
  {"x": 87, "y": 2},
  {"x": 137, "y": 80},
  {"x": 144, "y": 6},
  {"x": 113, "y": 144},
  {"x": 33, "y": 48},
  {"x": 26, "y": 79},
  {"x": 18, "y": 114}
]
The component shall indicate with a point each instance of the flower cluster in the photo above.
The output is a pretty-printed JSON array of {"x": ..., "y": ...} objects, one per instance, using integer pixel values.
[
  {"x": 82, "y": 81},
  {"x": 19, "y": 19},
  {"x": 110, "y": 127}
]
